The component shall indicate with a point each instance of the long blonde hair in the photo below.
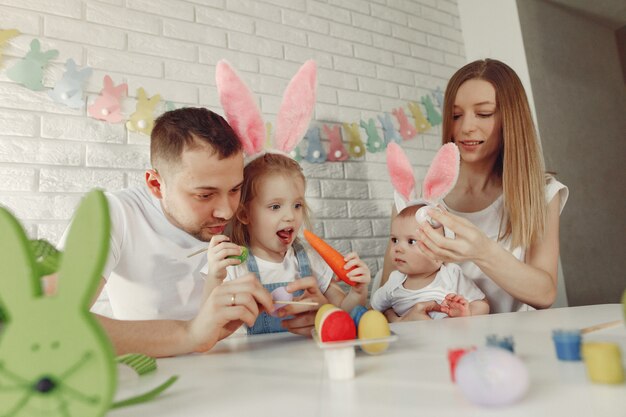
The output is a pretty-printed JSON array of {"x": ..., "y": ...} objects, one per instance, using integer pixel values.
[
  {"x": 520, "y": 162},
  {"x": 253, "y": 174}
]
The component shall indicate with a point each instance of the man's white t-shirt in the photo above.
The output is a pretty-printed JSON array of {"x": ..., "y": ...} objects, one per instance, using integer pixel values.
[
  {"x": 148, "y": 275},
  {"x": 449, "y": 280},
  {"x": 488, "y": 220}
]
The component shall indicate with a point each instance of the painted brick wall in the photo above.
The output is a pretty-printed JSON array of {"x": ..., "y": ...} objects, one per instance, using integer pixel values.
[{"x": 373, "y": 55}]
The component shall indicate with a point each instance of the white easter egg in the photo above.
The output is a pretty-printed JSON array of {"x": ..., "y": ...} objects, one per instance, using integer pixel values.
[
  {"x": 421, "y": 215},
  {"x": 280, "y": 294},
  {"x": 492, "y": 377}
]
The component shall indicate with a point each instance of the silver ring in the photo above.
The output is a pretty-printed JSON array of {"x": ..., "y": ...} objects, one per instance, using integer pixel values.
[{"x": 232, "y": 300}]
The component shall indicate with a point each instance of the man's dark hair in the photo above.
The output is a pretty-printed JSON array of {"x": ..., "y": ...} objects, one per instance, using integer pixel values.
[{"x": 190, "y": 127}]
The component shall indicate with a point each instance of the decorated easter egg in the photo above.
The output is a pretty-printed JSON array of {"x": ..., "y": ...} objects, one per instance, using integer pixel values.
[
  {"x": 356, "y": 314},
  {"x": 320, "y": 313},
  {"x": 337, "y": 325},
  {"x": 374, "y": 325},
  {"x": 280, "y": 294},
  {"x": 244, "y": 255},
  {"x": 492, "y": 377}
]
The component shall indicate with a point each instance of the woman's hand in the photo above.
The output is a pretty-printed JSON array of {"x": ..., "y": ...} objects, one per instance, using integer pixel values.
[
  {"x": 469, "y": 244},
  {"x": 228, "y": 306},
  {"x": 220, "y": 248},
  {"x": 420, "y": 311},
  {"x": 304, "y": 315}
]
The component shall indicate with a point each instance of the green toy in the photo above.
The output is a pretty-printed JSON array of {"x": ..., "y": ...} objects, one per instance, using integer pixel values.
[{"x": 55, "y": 359}]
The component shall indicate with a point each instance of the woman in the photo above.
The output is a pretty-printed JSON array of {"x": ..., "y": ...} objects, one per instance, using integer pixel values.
[{"x": 504, "y": 208}]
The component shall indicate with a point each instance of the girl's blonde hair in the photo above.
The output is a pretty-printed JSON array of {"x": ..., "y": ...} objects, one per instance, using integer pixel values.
[
  {"x": 253, "y": 174},
  {"x": 520, "y": 163}
]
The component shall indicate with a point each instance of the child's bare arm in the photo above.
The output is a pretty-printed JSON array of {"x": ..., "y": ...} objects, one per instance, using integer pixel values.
[{"x": 479, "y": 307}]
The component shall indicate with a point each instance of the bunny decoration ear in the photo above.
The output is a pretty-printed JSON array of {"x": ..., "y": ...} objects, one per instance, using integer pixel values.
[
  {"x": 244, "y": 116},
  {"x": 440, "y": 178}
]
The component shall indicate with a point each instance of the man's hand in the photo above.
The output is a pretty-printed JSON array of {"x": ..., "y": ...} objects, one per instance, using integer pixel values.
[
  {"x": 227, "y": 307},
  {"x": 220, "y": 248}
]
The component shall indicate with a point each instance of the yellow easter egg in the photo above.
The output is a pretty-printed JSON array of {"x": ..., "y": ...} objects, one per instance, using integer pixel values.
[
  {"x": 374, "y": 325},
  {"x": 320, "y": 313}
]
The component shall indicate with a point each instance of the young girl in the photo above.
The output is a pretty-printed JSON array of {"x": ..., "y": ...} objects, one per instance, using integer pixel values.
[
  {"x": 273, "y": 207},
  {"x": 272, "y": 212},
  {"x": 504, "y": 209}
]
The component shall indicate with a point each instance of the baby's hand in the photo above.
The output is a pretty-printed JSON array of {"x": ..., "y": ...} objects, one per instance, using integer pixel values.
[
  {"x": 360, "y": 274},
  {"x": 455, "y": 305},
  {"x": 220, "y": 248}
]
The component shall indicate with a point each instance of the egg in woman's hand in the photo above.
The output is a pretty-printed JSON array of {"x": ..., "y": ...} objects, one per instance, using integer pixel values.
[
  {"x": 373, "y": 325},
  {"x": 492, "y": 377}
]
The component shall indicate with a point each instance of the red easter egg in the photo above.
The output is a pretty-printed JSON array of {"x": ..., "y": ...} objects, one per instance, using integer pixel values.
[{"x": 337, "y": 325}]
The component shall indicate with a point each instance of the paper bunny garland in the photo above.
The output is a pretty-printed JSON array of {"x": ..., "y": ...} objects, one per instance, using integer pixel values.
[
  {"x": 29, "y": 70},
  {"x": 439, "y": 181},
  {"x": 107, "y": 106},
  {"x": 244, "y": 116},
  {"x": 69, "y": 89}
]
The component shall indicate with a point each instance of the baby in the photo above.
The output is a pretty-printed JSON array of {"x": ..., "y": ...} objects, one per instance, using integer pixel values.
[{"x": 418, "y": 278}]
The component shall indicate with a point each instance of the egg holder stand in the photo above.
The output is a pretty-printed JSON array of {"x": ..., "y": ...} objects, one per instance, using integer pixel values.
[{"x": 339, "y": 356}]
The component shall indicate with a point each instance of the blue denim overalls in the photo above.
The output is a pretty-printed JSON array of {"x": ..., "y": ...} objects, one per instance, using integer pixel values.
[{"x": 264, "y": 322}]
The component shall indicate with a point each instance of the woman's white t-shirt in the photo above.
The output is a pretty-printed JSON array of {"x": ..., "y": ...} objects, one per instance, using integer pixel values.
[{"x": 488, "y": 220}]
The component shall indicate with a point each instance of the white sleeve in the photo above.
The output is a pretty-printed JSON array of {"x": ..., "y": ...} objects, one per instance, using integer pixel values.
[
  {"x": 381, "y": 299},
  {"x": 320, "y": 270},
  {"x": 552, "y": 188},
  {"x": 462, "y": 284},
  {"x": 118, "y": 227}
]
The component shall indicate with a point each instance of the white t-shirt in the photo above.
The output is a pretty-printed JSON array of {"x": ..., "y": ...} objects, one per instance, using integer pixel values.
[
  {"x": 148, "y": 275},
  {"x": 488, "y": 220},
  {"x": 448, "y": 280},
  {"x": 287, "y": 270}
]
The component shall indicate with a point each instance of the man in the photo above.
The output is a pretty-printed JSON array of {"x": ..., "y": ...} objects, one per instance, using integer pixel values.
[{"x": 150, "y": 299}]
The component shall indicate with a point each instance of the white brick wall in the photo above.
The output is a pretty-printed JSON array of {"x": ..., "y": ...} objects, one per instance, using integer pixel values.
[{"x": 373, "y": 55}]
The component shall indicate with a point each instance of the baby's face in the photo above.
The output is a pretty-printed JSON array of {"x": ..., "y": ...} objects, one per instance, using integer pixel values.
[{"x": 405, "y": 251}]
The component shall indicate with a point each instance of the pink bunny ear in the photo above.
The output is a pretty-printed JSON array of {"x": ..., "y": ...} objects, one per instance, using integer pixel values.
[
  {"x": 442, "y": 174},
  {"x": 400, "y": 170},
  {"x": 296, "y": 108},
  {"x": 241, "y": 109}
]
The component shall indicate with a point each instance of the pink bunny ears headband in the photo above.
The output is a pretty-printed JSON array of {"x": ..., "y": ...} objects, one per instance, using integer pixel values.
[
  {"x": 439, "y": 181},
  {"x": 244, "y": 116}
]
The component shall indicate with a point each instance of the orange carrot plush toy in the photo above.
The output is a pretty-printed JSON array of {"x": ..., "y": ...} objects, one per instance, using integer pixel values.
[{"x": 333, "y": 258}]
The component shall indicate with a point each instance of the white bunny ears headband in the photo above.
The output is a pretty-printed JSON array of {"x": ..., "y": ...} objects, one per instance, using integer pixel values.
[
  {"x": 439, "y": 181},
  {"x": 244, "y": 116}
]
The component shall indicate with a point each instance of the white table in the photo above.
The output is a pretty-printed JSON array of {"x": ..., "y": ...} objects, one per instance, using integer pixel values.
[{"x": 283, "y": 374}]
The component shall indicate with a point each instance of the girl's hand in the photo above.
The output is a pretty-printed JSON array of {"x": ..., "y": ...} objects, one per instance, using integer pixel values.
[
  {"x": 469, "y": 244},
  {"x": 360, "y": 274},
  {"x": 304, "y": 316},
  {"x": 455, "y": 305},
  {"x": 220, "y": 248}
]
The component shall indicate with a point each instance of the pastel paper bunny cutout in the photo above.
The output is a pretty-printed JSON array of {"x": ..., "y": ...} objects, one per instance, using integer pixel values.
[
  {"x": 69, "y": 89},
  {"x": 407, "y": 131},
  {"x": 54, "y": 356},
  {"x": 142, "y": 120},
  {"x": 356, "y": 148},
  {"x": 315, "y": 152},
  {"x": 336, "y": 151},
  {"x": 421, "y": 124},
  {"x": 433, "y": 116},
  {"x": 29, "y": 70},
  {"x": 438, "y": 94},
  {"x": 439, "y": 181},
  {"x": 107, "y": 106},
  {"x": 244, "y": 116},
  {"x": 5, "y": 35},
  {"x": 374, "y": 143},
  {"x": 389, "y": 130}
]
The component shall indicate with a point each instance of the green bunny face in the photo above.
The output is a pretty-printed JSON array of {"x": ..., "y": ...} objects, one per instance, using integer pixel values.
[{"x": 55, "y": 359}]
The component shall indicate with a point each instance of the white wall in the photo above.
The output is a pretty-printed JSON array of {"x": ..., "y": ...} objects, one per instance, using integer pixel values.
[{"x": 372, "y": 55}]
